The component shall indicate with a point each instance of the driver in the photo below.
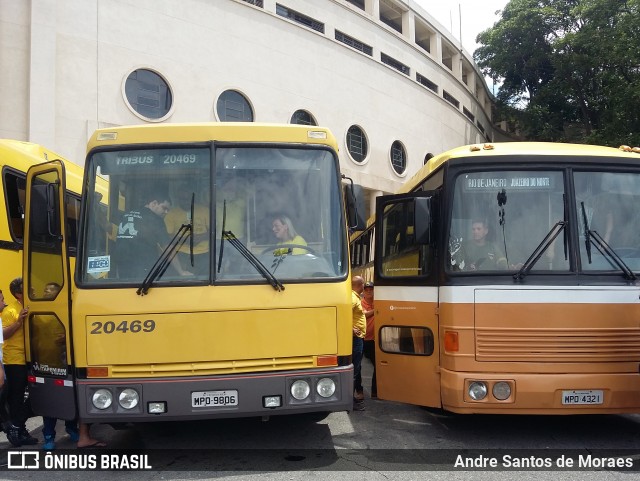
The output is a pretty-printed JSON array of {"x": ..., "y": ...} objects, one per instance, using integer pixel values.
[{"x": 284, "y": 231}]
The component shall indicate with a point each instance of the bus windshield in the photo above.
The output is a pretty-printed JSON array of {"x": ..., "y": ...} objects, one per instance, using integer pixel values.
[
  {"x": 242, "y": 209},
  {"x": 500, "y": 217}
]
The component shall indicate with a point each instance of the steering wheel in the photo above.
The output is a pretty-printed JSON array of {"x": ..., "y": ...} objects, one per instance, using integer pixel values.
[{"x": 277, "y": 247}]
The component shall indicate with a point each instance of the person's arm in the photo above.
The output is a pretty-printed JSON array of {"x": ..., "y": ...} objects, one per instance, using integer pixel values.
[{"x": 13, "y": 327}]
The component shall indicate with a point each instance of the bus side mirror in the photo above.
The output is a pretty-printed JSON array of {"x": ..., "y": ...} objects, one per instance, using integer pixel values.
[
  {"x": 354, "y": 201},
  {"x": 422, "y": 220}
]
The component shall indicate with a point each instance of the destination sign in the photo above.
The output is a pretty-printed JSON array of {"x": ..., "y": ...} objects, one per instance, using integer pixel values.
[
  {"x": 521, "y": 182},
  {"x": 136, "y": 160}
]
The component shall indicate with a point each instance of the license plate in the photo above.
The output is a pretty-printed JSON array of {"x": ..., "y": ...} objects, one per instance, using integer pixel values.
[
  {"x": 590, "y": 396},
  {"x": 214, "y": 399}
]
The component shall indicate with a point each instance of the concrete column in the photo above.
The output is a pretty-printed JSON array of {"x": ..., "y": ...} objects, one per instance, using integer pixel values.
[
  {"x": 409, "y": 25},
  {"x": 456, "y": 64},
  {"x": 372, "y": 7},
  {"x": 42, "y": 75},
  {"x": 372, "y": 201},
  {"x": 269, "y": 5},
  {"x": 436, "y": 47}
]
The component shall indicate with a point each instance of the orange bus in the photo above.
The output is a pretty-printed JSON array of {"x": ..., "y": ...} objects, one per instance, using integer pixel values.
[{"x": 506, "y": 281}]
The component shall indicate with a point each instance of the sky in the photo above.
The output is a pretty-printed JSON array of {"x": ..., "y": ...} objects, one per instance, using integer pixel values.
[{"x": 477, "y": 15}]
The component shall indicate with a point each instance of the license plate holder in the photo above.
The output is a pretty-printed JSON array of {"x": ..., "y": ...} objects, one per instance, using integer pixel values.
[
  {"x": 583, "y": 397},
  {"x": 214, "y": 399}
]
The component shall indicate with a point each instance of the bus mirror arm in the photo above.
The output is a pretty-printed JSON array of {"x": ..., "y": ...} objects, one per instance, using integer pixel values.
[{"x": 354, "y": 205}]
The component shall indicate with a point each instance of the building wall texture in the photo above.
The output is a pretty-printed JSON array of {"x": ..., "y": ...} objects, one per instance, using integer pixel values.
[{"x": 64, "y": 63}]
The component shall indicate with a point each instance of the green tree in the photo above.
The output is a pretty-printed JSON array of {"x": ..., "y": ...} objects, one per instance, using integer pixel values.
[{"x": 570, "y": 68}]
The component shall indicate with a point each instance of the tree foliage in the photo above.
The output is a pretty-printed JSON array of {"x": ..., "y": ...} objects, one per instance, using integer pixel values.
[{"x": 570, "y": 69}]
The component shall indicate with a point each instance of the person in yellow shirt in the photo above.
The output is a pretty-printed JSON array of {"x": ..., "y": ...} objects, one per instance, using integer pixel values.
[
  {"x": 286, "y": 234},
  {"x": 13, "y": 317},
  {"x": 359, "y": 331},
  {"x": 180, "y": 214}
]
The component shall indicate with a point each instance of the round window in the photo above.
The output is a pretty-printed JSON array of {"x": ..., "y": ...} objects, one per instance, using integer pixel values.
[
  {"x": 357, "y": 145},
  {"x": 148, "y": 94},
  {"x": 232, "y": 106},
  {"x": 398, "y": 157}
]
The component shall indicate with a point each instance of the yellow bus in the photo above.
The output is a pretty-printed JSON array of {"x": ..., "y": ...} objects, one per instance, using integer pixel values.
[
  {"x": 361, "y": 249},
  {"x": 16, "y": 157},
  {"x": 506, "y": 281},
  {"x": 217, "y": 315}
]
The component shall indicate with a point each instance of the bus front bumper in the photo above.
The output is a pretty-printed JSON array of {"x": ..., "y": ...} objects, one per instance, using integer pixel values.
[
  {"x": 541, "y": 393},
  {"x": 213, "y": 397}
]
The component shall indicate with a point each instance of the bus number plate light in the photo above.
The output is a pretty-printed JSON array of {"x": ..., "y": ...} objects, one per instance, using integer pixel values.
[{"x": 272, "y": 401}]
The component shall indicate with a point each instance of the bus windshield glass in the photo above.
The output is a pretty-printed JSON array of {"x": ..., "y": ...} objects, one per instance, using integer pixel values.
[
  {"x": 607, "y": 205},
  {"x": 499, "y": 218},
  {"x": 226, "y": 212}
]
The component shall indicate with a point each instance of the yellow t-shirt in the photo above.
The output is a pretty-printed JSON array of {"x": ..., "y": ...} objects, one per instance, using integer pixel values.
[
  {"x": 235, "y": 218},
  {"x": 298, "y": 240},
  {"x": 359, "y": 319},
  {"x": 13, "y": 347},
  {"x": 178, "y": 216}
]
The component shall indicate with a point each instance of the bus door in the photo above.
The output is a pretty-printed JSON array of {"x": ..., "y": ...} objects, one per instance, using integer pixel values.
[
  {"x": 406, "y": 299},
  {"x": 47, "y": 287}
]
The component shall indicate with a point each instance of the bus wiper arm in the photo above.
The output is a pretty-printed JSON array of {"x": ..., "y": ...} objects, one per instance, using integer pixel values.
[
  {"x": 169, "y": 252},
  {"x": 538, "y": 251},
  {"x": 592, "y": 237},
  {"x": 253, "y": 260}
]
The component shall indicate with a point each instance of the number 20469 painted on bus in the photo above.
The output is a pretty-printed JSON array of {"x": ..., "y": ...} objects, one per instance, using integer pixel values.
[{"x": 110, "y": 327}]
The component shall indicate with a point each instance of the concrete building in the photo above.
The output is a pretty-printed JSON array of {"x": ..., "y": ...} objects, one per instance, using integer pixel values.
[{"x": 391, "y": 83}]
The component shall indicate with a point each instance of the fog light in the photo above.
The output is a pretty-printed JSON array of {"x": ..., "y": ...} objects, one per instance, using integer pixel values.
[
  {"x": 326, "y": 387},
  {"x": 157, "y": 407},
  {"x": 300, "y": 390},
  {"x": 102, "y": 398},
  {"x": 501, "y": 390},
  {"x": 128, "y": 398},
  {"x": 477, "y": 390},
  {"x": 272, "y": 401}
]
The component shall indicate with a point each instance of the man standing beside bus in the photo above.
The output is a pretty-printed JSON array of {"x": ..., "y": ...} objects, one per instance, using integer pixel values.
[
  {"x": 359, "y": 330},
  {"x": 15, "y": 366},
  {"x": 369, "y": 347}
]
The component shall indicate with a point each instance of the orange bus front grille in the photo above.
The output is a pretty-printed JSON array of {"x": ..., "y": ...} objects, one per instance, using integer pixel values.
[
  {"x": 203, "y": 368},
  {"x": 558, "y": 345}
]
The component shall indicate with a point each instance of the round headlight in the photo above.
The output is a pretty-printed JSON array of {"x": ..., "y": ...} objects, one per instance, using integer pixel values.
[
  {"x": 501, "y": 390},
  {"x": 300, "y": 390},
  {"x": 477, "y": 390},
  {"x": 102, "y": 398},
  {"x": 326, "y": 387},
  {"x": 128, "y": 398}
]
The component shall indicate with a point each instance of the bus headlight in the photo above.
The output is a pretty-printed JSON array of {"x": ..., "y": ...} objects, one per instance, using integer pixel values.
[
  {"x": 477, "y": 390},
  {"x": 501, "y": 390},
  {"x": 326, "y": 387},
  {"x": 102, "y": 398},
  {"x": 300, "y": 390},
  {"x": 128, "y": 398}
]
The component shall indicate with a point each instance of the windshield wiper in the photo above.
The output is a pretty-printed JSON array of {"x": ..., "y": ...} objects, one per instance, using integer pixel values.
[
  {"x": 169, "y": 252},
  {"x": 253, "y": 260},
  {"x": 592, "y": 237},
  {"x": 246, "y": 253},
  {"x": 538, "y": 251}
]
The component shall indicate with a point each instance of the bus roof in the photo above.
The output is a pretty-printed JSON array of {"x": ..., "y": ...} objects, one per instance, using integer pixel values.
[
  {"x": 514, "y": 148},
  {"x": 22, "y": 155},
  {"x": 206, "y": 131}
]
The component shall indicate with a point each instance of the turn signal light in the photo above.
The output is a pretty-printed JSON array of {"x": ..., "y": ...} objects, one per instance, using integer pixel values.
[
  {"x": 323, "y": 361},
  {"x": 451, "y": 341},
  {"x": 97, "y": 372}
]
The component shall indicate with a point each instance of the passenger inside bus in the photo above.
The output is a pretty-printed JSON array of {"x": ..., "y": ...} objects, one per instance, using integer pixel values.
[
  {"x": 142, "y": 236},
  {"x": 180, "y": 214}
]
